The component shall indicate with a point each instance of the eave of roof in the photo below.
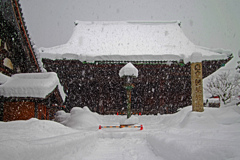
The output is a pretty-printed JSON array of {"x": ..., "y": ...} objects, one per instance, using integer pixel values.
[{"x": 37, "y": 85}]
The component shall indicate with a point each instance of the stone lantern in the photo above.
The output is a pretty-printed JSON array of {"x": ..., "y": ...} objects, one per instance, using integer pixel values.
[{"x": 129, "y": 71}]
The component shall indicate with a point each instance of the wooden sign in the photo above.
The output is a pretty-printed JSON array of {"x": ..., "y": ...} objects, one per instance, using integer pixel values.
[{"x": 197, "y": 87}]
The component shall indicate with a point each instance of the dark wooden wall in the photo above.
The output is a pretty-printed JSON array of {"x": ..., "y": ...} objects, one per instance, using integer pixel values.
[
  {"x": 159, "y": 88},
  {"x": 18, "y": 111}
]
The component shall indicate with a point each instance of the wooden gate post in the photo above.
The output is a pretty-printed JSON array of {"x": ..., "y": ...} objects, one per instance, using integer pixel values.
[{"x": 196, "y": 82}]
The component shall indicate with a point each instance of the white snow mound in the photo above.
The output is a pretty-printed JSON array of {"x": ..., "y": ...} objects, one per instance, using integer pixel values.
[{"x": 79, "y": 118}]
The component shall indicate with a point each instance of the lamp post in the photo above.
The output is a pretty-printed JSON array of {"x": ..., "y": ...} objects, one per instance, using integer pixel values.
[{"x": 129, "y": 71}]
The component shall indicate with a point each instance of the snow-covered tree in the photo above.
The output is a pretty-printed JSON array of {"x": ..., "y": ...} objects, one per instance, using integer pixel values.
[
  {"x": 224, "y": 85},
  {"x": 238, "y": 66}
]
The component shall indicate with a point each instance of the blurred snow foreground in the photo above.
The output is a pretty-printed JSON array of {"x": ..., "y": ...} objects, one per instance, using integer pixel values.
[{"x": 213, "y": 134}]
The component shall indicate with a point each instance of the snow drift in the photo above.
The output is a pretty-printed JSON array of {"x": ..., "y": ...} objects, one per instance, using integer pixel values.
[
  {"x": 78, "y": 118},
  {"x": 213, "y": 134}
]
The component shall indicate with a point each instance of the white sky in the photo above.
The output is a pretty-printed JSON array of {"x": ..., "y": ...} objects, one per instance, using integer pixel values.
[{"x": 208, "y": 23}]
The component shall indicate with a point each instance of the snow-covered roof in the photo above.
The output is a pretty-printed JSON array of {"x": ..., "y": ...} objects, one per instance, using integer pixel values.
[
  {"x": 128, "y": 41},
  {"x": 37, "y": 85},
  {"x": 196, "y": 57}
]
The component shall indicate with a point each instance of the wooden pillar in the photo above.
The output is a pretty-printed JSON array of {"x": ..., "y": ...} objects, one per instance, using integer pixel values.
[{"x": 196, "y": 82}]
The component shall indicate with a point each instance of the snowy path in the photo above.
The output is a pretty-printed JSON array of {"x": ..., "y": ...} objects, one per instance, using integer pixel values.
[{"x": 122, "y": 146}]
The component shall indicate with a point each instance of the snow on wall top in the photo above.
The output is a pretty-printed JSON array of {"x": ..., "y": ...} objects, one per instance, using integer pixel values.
[
  {"x": 37, "y": 85},
  {"x": 3, "y": 78},
  {"x": 133, "y": 41},
  {"x": 128, "y": 70}
]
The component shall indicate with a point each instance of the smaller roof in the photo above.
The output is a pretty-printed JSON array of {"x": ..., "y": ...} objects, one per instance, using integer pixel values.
[
  {"x": 128, "y": 70},
  {"x": 37, "y": 85}
]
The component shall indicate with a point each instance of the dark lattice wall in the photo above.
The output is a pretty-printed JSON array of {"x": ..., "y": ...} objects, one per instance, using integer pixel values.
[{"x": 159, "y": 88}]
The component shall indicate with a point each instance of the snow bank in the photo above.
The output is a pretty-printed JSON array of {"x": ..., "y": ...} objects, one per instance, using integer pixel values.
[
  {"x": 37, "y": 85},
  {"x": 190, "y": 147},
  {"x": 41, "y": 139},
  {"x": 32, "y": 129},
  {"x": 211, "y": 118},
  {"x": 212, "y": 134},
  {"x": 79, "y": 118},
  {"x": 128, "y": 41}
]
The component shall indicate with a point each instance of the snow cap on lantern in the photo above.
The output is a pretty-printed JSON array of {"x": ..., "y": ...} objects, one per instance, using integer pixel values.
[
  {"x": 128, "y": 70},
  {"x": 196, "y": 57}
]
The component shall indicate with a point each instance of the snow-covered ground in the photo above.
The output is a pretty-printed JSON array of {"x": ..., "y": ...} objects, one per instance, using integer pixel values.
[{"x": 213, "y": 134}]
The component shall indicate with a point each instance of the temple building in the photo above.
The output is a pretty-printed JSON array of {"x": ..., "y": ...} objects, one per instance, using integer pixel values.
[{"x": 89, "y": 63}]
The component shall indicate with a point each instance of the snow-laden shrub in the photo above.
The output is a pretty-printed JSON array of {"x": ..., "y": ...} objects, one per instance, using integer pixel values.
[{"x": 224, "y": 85}]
